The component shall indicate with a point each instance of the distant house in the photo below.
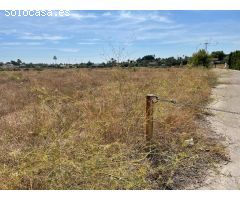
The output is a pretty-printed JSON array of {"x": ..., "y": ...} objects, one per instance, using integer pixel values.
[
  {"x": 153, "y": 64},
  {"x": 98, "y": 65},
  {"x": 22, "y": 65},
  {"x": 8, "y": 66},
  {"x": 62, "y": 66}
]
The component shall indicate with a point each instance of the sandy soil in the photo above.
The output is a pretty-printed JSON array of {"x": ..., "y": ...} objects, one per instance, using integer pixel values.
[{"x": 227, "y": 128}]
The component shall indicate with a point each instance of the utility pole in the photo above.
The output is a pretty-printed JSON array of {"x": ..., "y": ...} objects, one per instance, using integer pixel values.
[
  {"x": 209, "y": 42},
  {"x": 206, "y": 45}
]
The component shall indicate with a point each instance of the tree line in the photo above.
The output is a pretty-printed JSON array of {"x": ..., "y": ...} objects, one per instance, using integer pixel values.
[{"x": 200, "y": 58}]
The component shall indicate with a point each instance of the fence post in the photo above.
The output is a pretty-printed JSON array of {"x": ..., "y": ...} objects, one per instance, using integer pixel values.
[{"x": 149, "y": 117}]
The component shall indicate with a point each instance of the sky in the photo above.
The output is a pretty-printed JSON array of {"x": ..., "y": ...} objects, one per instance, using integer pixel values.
[{"x": 101, "y": 35}]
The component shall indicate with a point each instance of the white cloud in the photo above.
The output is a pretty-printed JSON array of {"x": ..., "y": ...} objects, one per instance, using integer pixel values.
[
  {"x": 79, "y": 16},
  {"x": 8, "y": 32},
  {"x": 34, "y": 43},
  {"x": 130, "y": 15},
  {"x": 160, "y": 18},
  {"x": 163, "y": 35},
  {"x": 11, "y": 43},
  {"x": 20, "y": 43},
  {"x": 141, "y": 17},
  {"x": 86, "y": 43},
  {"x": 106, "y": 14},
  {"x": 69, "y": 50},
  {"x": 30, "y": 36},
  {"x": 89, "y": 41}
]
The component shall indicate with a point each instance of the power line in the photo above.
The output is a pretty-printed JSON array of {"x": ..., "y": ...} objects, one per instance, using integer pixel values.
[{"x": 207, "y": 43}]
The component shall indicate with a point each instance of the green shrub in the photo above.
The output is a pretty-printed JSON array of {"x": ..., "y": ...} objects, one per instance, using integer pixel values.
[
  {"x": 234, "y": 60},
  {"x": 201, "y": 58}
]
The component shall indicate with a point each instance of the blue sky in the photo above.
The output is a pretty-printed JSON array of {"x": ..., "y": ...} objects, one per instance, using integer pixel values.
[{"x": 100, "y": 35}]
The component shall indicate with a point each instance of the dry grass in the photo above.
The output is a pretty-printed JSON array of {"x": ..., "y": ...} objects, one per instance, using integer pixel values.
[{"x": 84, "y": 129}]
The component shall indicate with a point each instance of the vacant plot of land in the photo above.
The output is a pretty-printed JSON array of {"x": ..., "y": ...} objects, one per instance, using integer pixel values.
[{"x": 84, "y": 129}]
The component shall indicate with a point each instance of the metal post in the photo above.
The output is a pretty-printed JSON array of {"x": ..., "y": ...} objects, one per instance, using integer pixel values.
[{"x": 149, "y": 117}]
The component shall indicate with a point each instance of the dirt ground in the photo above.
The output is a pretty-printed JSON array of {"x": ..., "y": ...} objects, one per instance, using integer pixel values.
[{"x": 227, "y": 127}]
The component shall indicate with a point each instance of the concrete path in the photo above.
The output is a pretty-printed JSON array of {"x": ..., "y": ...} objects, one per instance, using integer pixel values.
[{"x": 227, "y": 127}]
